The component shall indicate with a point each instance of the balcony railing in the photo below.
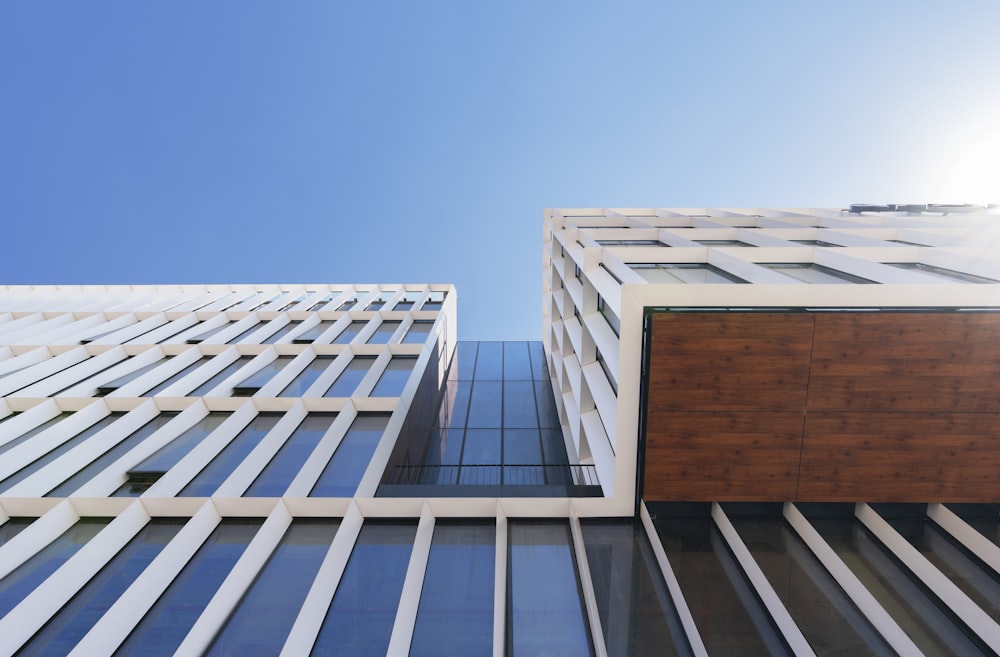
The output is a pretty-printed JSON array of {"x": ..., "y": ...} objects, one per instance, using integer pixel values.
[{"x": 501, "y": 480}]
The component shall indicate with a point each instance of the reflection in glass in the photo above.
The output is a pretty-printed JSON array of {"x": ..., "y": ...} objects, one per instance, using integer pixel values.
[
  {"x": 12, "y": 527},
  {"x": 637, "y": 615},
  {"x": 418, "y": 332},
  {"x": 455, "y": 616},
  {"x": 211, "y": 477},
  {"x": 359, "y": 621},
  {"x": 280, "y": 333},
  {"x": 223, "y": 374},
  {"x": 341, "y": 476},
  {"x": 545, "y": 609},
  {"x": 24, "y": 437},
  {"x": 732, "y": 621},
  {"x": 259, "y": 379},
  {"x": 394, "y": 378},
  {"x": 77, "y": 616},
  {"x": 165, "y": 625},
  {"x": 300, "y": 384},
  {"x": 350, "y": 332},
  {"x": 826, "y": 616},
  {"x": 348, "y": 380},
  {"x": 24, "y": 579},
  {"x": 273, "y": 481},
  {"x": 261, "y": 622},
  {"x": 175, "y": 378}
]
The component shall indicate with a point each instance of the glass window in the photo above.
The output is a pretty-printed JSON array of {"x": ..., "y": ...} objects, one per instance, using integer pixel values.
[
  {"x": 359, "y": 621},
  {"x": 348, "y": 381},
  {"x": 489, "y": 361},
  {"x": 244, "y": 334},
  {"x": 383, "y": 333},
  {"x": 630, "y": 243},
  {"x": 165, "y": 625},
  {"x": 211, "y": 477},
  {"x": 545, "y": 609},
  {"x": 24, "y": 437},
  {"x": 814, "y": 243},
  {"x": 274, "y": 479},
  {"x": 89, "y": 471},
  {"x": 521, "y": 447},
  {"x": 201, "y": 337},
  {"x": 114, "y": 384},
  {"x": 434, "y": 301},
  {"x": 341, "y": 476},
  {"x": 455, "y": 616},
  {"x": 810, "y": 272},
  {"x": 350, "y": 303},
  {"x": 58, "y": 451},
  {"x": 695, "y": 273},
  {"x": 223, "y": 374},
  {"x": 280, "y": 333},
  {"x": 609, "y": 315},
  {"x": 350, "y": 332},
  {"x": 176, "y": 377},
  {"x": 260, "y": 623},
  {"x": 723, "y": 243},
  {"x": 24, "y": 579},
  {"x": 300, "y": 384},
  {"x": 418, "y": 331},
  {"x": 12, "y": 527},
  {"x": 74, "y": 620},
  {"x": 325, "y": 300},
  {"x": 395, "y": 376},
  {"x": 259, "y": 379},
  {"x": 482, "y": 447},
  {"x": 144, "y": 474},
  {"x": 519, "y": 404},
  {"x": 485, "y": 407},
  {"x": 941, "y": 272},
  {"x": 311, "y": 334},
  {"x": 376, "y": 304},
  {"x": 301, "y": 297},
  {"x": 516, "y": 361},
  {"x": 635, "y": 608}
]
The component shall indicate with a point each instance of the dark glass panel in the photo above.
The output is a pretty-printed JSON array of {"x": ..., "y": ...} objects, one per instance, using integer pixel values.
[
  {"x": 444, "y": 447},
  {"x": 74, "y": 620},
  {"x": 12, "y": 527},
  {"x": 485, "y": 406},
  {"x": 223, "y": 374},
  {"x": 489, "y": 361},
  {"x": 280, "y": 333},
  {"x": 244, "y": 334},
  {"x": 273, "y": 481},
  {"x": 637, "y": 615},
  {"x": 383, "y": 332},
  {"x": 311, "y": 334},
  {"x": 823, "y": 612},
  {"x": 261, "y": 622},
  {"x": 545, "y": 608},
  {"x": 114, "y": 384},
  {"x": 343, "y": 473},
  {"x": 25, "y": 578},
  {"x": 482, "y": 447},
  {"x": 24, "y": 437},
  {"x": 455, "y": 616},
  {"x": 521, "y": 447},
  {"x": 418, "y": 331},
  {"x": 58, "y": 451},
  {"x": 548, "y": 415},
  {"x": 465, "y": 360},
  {"x": 554, "y": 447},
  {"x": 212, "y": 476},
  {"x": 306, "y": 377},
  {"x": 359, "y": 621},
  {"x": 92, "y": 469},
  {"x": 724, "y": 606},
  {"x": 539, "y": 367},
  {"x": 516, "y": 361},
  {"x": 348, "y": 381},
  {"x": 350, "y": 332},
  {"x": 167, "y": 456},
  {"x": 394, "y": 378},
  {"x": 259, "y": 379},
  {"x": 519, "y": 404},
  {"x": 455, "y": 405},
  {"x": 921, "y": 615},
  {"x": 165, "y": 625}
]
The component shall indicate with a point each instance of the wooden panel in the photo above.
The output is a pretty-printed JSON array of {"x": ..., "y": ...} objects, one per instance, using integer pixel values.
[
  {"x": 942, "y": 457},
  {"x": 906, "y": 361},
  {"x": 729, "y": 361},
  {"x": 732, "y": 456}
]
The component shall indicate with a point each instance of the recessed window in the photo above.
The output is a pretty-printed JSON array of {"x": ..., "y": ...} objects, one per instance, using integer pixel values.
[
  {"x": 906, "y": 243},
  {"x": 810, "y": 272},
  {"x": 814, "y": 243},
  {"x": 723, "y": 243},
  {"x": 630, "y": 243},
  {"x": 258, "y": 379},
  {"x": 941, "y": 272},
  {"x": 697, "y": 273},
  {"x": 313, "y": 333},
  {"x": 609, "y": 315}
]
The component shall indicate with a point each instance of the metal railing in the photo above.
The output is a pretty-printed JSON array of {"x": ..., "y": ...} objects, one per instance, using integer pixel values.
[{"x": 494, "y": 475}]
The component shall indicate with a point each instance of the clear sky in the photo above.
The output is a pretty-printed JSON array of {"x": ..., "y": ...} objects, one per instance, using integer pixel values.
[{"x": 410, "y": 141}]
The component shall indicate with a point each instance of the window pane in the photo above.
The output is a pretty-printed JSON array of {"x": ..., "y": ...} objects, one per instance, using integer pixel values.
[
  {"x": 165, "y": 625},
  {"x": 521, "y": 447},
  {"x": 485, "y": 407},
  {"x": 274, "y": 479},
  {"x": 261, "y": 622},
  {"x": 455, "y": 616},
  {"x": 259, "y": 379},
  {"x": 489, "y": 361},
  {"x": 383, "y": 332},
  {"x": 685, "y": 272},
  {"x": 359, "y": 621},
  {"x": 516, "y": 361},
  {"x": 809, "y": 272},
  {"x": 546, "y": 615},
  {"x": 306, "y": 377},
  {"x": 12, "y": 527},
  {"x": 223, "y": 374},
  {"x": 632, "y": 599},
  {"x": 418, "y": 332},
  {"x": 348, "y": 381},
  {"x": 209, "y": 479},
  {"x": 25, "y": 578},
  {"x": 280, "y": 333},
  {"x": 482, "y": 447},
  {"x": 313, "y": 333},
  {"x": 92, "y": 469},
  {"x": 32, "y": 432},
  {"x": 176, "y": 377},
  {"x": 241, "y": 336},
  {"x": 350, "y": 332},
  {"x": 343, "y": 473},
  {"x": 77, "y": 616},
  {"x": 44, "y": 460},
  {"x": 519, "y": 404},
  {"x": 394, "y": 378}
]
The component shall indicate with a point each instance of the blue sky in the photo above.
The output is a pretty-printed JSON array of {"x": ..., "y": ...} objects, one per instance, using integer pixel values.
[{"x": 238, "y": 142}]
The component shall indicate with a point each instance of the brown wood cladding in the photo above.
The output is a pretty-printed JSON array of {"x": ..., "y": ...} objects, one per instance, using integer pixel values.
[{"x": 824, "y": 407}]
